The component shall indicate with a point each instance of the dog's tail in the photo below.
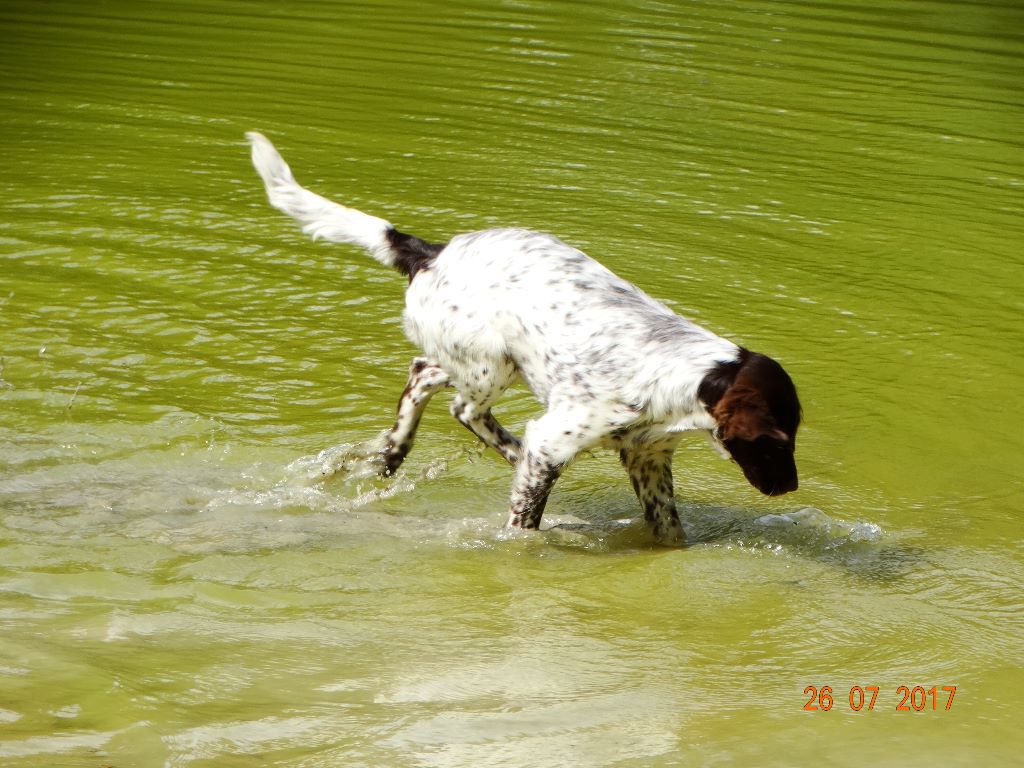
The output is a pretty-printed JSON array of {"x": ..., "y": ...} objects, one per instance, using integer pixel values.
[{"x": 321, "y": 218}]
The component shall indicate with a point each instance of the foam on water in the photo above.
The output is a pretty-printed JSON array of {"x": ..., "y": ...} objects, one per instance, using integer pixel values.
[{"x": 334, "y": 492}]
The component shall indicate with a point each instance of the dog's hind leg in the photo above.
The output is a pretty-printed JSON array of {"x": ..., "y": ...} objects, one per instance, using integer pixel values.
[
  {"x": 481, "y": 422},
  {"x": 650, "y": 471},
  {"x": 480, "y": 385},
  {"x": 426, "y": 378}
]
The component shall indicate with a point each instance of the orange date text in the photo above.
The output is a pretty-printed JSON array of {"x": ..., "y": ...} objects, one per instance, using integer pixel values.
[{"x": 866, "y": 698}]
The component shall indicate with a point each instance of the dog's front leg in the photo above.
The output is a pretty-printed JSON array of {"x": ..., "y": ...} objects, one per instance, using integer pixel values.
[
  {"x": 550, "y": 443},
  {"x": 535, "y": 476},
  {"x": 426, "y": 378},
  {"x": 650, "y": 471}
]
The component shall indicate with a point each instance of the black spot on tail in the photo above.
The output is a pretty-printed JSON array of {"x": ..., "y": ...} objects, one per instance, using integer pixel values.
[{"x": 411, "y": 253}]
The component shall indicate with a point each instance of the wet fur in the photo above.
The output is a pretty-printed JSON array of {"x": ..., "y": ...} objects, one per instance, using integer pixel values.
[{"x": 612, "y": 366}]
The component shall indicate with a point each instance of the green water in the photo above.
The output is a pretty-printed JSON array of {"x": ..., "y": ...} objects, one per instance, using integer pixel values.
[{"x": 839, "y": 185}]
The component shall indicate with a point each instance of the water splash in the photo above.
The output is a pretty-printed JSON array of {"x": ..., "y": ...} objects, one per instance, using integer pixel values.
[
  {"x": 810, "y": 525},
  {"x": 352, "y": 461}
]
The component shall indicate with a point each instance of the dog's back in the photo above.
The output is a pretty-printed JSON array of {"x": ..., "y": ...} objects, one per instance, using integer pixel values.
[{"x": 573, "y": 329}]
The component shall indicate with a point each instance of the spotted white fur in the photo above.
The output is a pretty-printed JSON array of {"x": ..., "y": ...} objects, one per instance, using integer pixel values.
[{"x": 611, "y": 365}]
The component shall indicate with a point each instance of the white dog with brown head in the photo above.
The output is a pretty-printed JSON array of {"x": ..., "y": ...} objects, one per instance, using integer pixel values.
[{"x": 612, "y": 366}]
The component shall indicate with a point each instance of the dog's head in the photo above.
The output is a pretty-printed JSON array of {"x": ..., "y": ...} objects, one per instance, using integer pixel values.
[{"x": 757, "y": 413}]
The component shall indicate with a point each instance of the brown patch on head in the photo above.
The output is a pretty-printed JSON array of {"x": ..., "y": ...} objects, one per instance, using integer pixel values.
[
  {"x": 743, "y": 414},
  {"x": 757, "y": 411}
]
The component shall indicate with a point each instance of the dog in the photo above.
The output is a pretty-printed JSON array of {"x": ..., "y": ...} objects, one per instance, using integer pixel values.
[{"x": 612, "y": 366}]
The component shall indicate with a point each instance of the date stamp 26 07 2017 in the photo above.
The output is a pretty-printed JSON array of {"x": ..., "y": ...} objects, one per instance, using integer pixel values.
[{"x": 865, "y": 697}]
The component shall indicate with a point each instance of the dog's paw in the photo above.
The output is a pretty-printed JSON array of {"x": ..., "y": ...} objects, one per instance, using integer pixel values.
[{"x": 669, "y": 535}]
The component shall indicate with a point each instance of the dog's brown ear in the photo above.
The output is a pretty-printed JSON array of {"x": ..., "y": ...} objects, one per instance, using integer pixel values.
[{"x": 743, "y": 414}]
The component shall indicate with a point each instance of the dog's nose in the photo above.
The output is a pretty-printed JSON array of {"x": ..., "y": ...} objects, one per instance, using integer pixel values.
[{"x": 781, "y": 487}]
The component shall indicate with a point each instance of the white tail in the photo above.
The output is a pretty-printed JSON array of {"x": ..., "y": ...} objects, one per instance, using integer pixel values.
[{"x": 318, "y": 216}]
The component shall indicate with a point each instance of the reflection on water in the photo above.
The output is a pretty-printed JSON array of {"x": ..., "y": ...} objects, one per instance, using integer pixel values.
[{"x": 198, "y": 563}]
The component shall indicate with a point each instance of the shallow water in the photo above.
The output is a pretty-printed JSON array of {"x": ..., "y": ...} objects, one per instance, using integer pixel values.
[{"x": 197, "y": 567}]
